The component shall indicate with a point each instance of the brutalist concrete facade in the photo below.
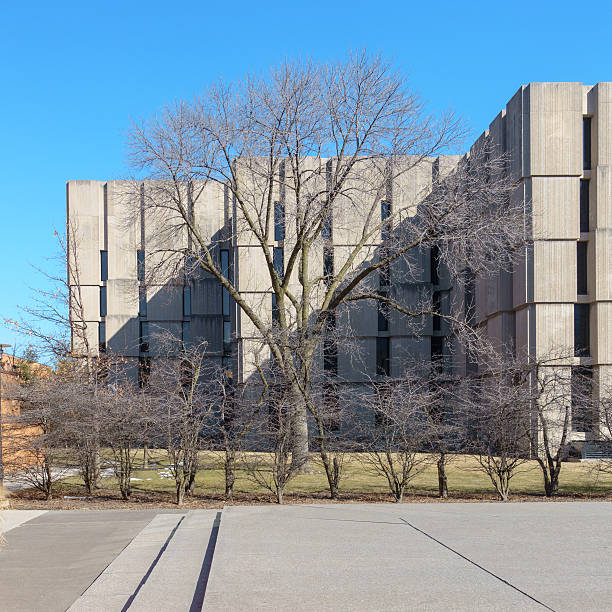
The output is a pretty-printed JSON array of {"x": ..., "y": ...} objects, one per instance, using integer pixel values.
[{"x": 558, "y": 137}]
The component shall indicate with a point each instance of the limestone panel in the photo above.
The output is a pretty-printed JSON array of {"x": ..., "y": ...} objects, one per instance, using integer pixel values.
[
  {"x": 210, "y": 329},
  {"x": 85, "y": 235},
  {"x": 600, "y": 264},
  {"x": 122, "y": 297},
  {"x": 602, "y": 128},
  {"x": 554, "y": 271},
  {"x": 359, "y": 318},
  {"x": 555, "y": 128},
  {"x": 123, "y": 226},
  {"x": 252, "y": 270},
  {"x": 165, "y": 303},
  {"x": 555, "y": 329},
  {"x": 516, "y": 115},
  {"x": 601, "y": 332},
  {"x": 412, "y": 183},
  {"x": 206, "y": 297},
  {"x": 209, "y": 206},
  {"x": 122, "y": 335},
  {"x": 261, "y": 305},
  {"x": 501, "y": 331},
  {"x": 555, "y": 205},
  {"x": 408, "y": 353},
  {"x": 525, "y": 331},
  {"x": 355, "y": 365},
  {"x": 413, "y": 298},
  {"x": 601, "y": 199},
  {"x": 86, "y": 305}
]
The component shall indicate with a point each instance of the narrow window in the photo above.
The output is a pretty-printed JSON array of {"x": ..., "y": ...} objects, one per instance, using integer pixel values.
[
  {"x": 279, "y": 221},
  {"x": 332, "y": 404},
  {"x": 142, "y": 301},
  {"x": 586, "y": 143},
  {"x": 385, "y": 270},
  {"x": 103, "y": 301},
  {"x": 225, "y": 263},
  {"x": 144, "y": 371},
  {"x": 278, "y": 260},
  {"x": 385, "y": 213},
  {"x": 226, "y": 302},
  {"x": 437, "y": 348},
  {"x": 330, "y": 345},
  {"x": 144, "y": 337},
  {"x": 382, "y": 357},
  {"x": 227, "y": 337},
  {"x": 140, "y": 265},
  {"x": 582, "y": 389},
  {"x": 102, "y": 337},
  {"x": 185, "y": 333},
  {"x": 328, "y": 264},
  {"x": 581, "y": 330},
  {"x": 436, "y": 309},
  {"x": 434, "y": 261},
  {"x": 187, "y": 301},
  {"x": 326, "y": 230},
  {"x": 584, "y": 205},
  {"x": 581, "y": 268},
  {"x": 383, "y": 312},
  {"x": 104, "y": 265},
  {"x": 274, "y": 308}
]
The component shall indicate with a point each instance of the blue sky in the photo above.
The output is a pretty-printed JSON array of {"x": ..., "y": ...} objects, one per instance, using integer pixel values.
[{"x": 73, "y": 75}]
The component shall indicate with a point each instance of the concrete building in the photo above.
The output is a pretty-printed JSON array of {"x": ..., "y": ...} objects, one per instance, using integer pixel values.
[{"x": 559, "y": 139}]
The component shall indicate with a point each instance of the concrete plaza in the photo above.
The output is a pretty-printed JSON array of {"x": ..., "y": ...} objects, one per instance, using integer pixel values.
[{"x": 452, "y": 556}]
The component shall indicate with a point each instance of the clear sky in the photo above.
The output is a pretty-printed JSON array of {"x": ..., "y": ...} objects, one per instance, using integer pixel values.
[{"x": 73, "y": 75}]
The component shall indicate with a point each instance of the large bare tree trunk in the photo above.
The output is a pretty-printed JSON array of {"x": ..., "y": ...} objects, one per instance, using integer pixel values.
[{"x": 299, "y": 432}]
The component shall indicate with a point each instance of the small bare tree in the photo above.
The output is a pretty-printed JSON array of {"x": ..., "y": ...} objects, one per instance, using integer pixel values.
[
  {"x": 394, "y": 447},
  {"x": 495, "y": 406},
  {"x": 189, "y": 384}
]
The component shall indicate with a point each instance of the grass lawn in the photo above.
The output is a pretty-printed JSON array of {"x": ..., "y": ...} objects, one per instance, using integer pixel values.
[{"x": 156, "y": 486}]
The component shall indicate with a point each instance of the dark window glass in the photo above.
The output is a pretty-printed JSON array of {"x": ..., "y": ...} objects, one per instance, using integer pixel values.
[
  {"x": 278, "y": 260},
  {"x": 436, "y": 308},
  {"x": 102, "y": 337},
  {"x": 142, "y": 301},
  {"x": 437, "y": 348},
  {"x": 279, "y": 221},
  {"x": 140, "y": 265},
  {"x": 581, "y": 330},
  {"x": 583, "y": 414},
  {"x": 382, "y": 357},
  {"x": 385, "y": 271},
  {"x": 434, "y": 262},
  {"x": 144, "y": 336},
  {"x": 383, "y": 312},
  {"x": 586, "y": 143},
  {"x": 328, "y": 264},
  {"x": 326, "y": 230},
  {"x": 581, "y": 267},
  {"x": 274, "y": 308},
  {"x": 227, "y": 337},
  {"x": 104, "y": 265},
  {"x": 226, "y": 302},
  {"x": 185, "y": 332},
  {"x": 584, "y": 206},
  {"x": 385, "y": 213},
  {"x": 187, "y": 301},
  {"x": 330, "y": 355},
  {"x": 332, "y": 408},
  {"x": 102, "y": 301},
  {"x": 144, "y": 371},
  {"x": 225, "y": 263}
]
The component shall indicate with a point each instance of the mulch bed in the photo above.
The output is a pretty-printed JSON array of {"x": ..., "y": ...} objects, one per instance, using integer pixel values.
[{"x": 108, "y": 499}]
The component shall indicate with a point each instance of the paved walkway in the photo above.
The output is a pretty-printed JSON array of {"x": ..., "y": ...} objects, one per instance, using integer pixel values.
[{"x": 530, "y": 556}]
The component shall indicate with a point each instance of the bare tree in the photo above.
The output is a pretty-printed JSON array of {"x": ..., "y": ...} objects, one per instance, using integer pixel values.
[
  {"x": 320, "y": 145},
  {"x": 495, "y": 406},
  {"x": 189, "y": 385},
  {"x": 394, "y": 447}
]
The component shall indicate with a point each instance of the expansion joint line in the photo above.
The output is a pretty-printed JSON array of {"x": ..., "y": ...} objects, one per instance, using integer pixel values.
[{"x": 484, "y": 569}]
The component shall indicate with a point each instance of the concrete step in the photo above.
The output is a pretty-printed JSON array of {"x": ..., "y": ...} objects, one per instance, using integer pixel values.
[
  {"x": 178, "y": 580},
  {"x": 116, "y": 585}
]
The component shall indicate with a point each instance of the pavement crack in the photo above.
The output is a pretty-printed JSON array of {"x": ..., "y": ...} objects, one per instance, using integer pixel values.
[{"x": 484, "y": 569}]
